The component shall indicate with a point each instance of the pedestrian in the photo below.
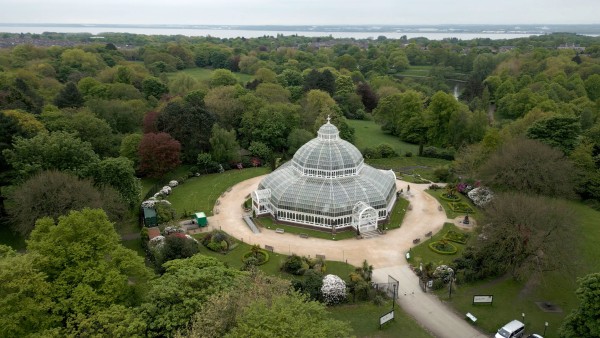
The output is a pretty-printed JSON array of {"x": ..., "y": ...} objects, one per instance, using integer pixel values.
[{"x": 408, "y": 188}]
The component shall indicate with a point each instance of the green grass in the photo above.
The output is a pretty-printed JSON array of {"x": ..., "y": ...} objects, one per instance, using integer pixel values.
[
  {"x": 423, "y": 166},
  {"x": 397, "y": 214},
  {"x": 422, "y": 254},
  {"x": 175, "y": 174},
  {"x": 201, "y": 193},
  {"x": 421, "y": 71},
  {"x": 204, "y": 74},
  {"x": 368, "y": 134},
  {"x": 449, "y": 212},
  {"x": 234, "y": 259},
  {"x": 135, "y": 245},
  {"x": 511, "y": 298},
  {"x": 364, "y": 319},
  {"x": 10, "y": 238},
  {"x": 268, "y": 224}
]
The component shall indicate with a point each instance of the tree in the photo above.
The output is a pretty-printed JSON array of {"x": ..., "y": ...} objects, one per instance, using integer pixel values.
[
  {"x": 25, "y": 297},
  {"x": 369, "y": 97},
  {"x": 152, "y": 86},
  {"x": 225, "y": 148},
  {"x": 317, "y": 104},
  {"x": 182, "y": 290},
  {"x": 560, "y": 132},
  {"x": 176, "y": 246},
  {"x": 288, "y": 315},
  {"x": 529, "y": 166},
  {"x": 224, "y": 103},
  {"x": 119, "y": 174},
  {"x": 592, "y": 86},
  {"x": 265, "y": 75},
  {"x": 69, "y": 97},
  {"x": 189, "y": 125},
  {"x": 273, "y": 93},
  {"x": 114, "y": 321},
  {"x": 123, "y": 116},
  {"x": 297, "y": 138},
  {"x": 270, "y": 125},
  {"x": 222, "y": 77},
  {"x": 88, "y": 268},
  {"x": 439, "y": 112},
  {"x": 53, "y": 194},
  {"x": 46, "y": 151},
  {"x": 585, "y": 320},
  {"x": 158, "y": 153},
  {"x": 129, "y": 148}
]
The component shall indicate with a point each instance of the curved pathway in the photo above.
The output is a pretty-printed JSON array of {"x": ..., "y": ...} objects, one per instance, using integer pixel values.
[{"x": 386, "y": 253}]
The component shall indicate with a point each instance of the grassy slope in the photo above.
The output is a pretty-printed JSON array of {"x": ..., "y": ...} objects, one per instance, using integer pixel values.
[
  {"x": 201, "y": 193},
  {"x": 369, "y": 135}
]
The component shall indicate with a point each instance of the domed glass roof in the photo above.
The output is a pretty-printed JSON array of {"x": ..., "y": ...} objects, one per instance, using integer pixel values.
[
  {"x": 328, "y": 177},
  {"x": 328, "y": 155}
]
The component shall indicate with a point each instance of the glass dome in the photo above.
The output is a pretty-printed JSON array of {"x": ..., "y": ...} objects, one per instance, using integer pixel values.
[{"x": 323, "y": 182}]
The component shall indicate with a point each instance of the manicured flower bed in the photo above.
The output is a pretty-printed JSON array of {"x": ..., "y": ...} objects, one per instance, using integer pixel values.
[
  {"x": 461, "y": 207},
  {"x": 261, "y": 256},
  {"x": 456, "y": 237},
  {"x": 443, "y": 247}
]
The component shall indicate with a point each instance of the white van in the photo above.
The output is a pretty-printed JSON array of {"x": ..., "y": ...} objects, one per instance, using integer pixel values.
[{"x": 514, "y": 329}]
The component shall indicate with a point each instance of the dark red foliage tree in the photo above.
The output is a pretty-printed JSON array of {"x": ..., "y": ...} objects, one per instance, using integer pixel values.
[
  {"x": 149, "y": 122},
  {"x": 158, "y": 153},
  {"x": 369, "y": 97}
]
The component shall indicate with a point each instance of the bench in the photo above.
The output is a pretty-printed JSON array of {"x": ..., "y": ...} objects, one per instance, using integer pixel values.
[
  {"x": 303, "y": 236},
  {"x": 429, "y": 234},
  {"x": 416, "y": 240},
  {"x": 471, "y": 317},
  {"x": 279, "y": 230}
]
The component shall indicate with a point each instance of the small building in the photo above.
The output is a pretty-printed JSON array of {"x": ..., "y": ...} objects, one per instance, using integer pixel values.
[
  {"x": 150, "y": 218},
  {"x": 201, "y": 219}
]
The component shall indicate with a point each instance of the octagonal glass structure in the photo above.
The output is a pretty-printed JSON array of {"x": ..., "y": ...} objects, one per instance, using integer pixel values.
[{"x": 326, "y": 179}]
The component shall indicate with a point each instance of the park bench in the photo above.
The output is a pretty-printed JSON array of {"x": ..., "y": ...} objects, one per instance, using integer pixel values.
[
  {"x": 279, "y": 230},
  {"x": 303, "y": 236},
  {"x": 416, "y": 240},
  {"x": 471, "y": 317},
  {"x": 429, "y": 234}
]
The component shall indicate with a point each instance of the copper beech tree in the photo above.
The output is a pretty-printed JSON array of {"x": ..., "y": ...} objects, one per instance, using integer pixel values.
[{"x": 159, "y": 153}]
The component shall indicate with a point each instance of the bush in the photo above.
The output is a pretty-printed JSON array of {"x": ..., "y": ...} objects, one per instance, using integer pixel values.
[
  {"x": 443, "y": 247},
  {"x": 433, "y": 152},
  {"x": 408, "y": 154},
  {"x": 442, "y": 174},
  {"x": 293, "y": 265},
  {"x": 437, "y": 284},
  {"x": 218, "y": 241},
  {"x": 384, "y": 150}
]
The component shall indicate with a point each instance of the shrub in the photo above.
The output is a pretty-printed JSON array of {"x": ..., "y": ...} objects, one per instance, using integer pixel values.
[
  {"x": 384, "y": 150},
  {"x": 218, "y": 241},
  {"x": 408, "y": 154},
  {"x": 433, "y": 152},
  {"x": 333, "y": 290},
  {"x": 457, "y": 237},
  {"x": 442, "y": 174},
  {"x": 260, "y": 257},
  {"x": 480, "y": 196},
  {"x": 293, "y": 265},
  {"x": 443, "y": 247}
]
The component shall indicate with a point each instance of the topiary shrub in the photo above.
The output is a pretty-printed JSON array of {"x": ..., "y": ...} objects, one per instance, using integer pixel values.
[
  {"x": 218, "y": 241},
  {"x": 260, "y": 257},
  {"x": 443, "y": 247}
]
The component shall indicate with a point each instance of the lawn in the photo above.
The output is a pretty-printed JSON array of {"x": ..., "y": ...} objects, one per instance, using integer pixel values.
[
  {"x": 423, "y": 166},
  {"x": 512, "y": 298},
  {"x": 204, "y": 74},
  {"x": 397, "y": 214},
  {"x": 368, "y": 134},
  {"x": 449, "y": 212},
  {"x": 418, "y": 71},
  {"x": 422, "y": 254},
  {"x": 176, "y": 174},
  {"x": 234, "y": 259},
  {"x": 364, "y": 319},
  {"x": 201, "y": 193},
  {"x": 268, "y": 223}
]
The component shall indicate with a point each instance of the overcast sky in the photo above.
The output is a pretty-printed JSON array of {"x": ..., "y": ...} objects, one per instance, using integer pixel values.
[{"x": 301, "y": 12}]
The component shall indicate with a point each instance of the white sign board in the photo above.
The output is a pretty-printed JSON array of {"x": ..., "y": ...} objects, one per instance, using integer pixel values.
[
  {"x": 386, "y": 317},
  {"x": 482, "y": 299}
]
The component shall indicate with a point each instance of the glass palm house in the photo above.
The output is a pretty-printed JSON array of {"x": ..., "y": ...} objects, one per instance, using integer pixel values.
[{"x": 327, "y": 185}]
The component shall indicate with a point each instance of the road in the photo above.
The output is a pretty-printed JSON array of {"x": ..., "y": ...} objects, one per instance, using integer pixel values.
[{"x": 386, "y": 253}]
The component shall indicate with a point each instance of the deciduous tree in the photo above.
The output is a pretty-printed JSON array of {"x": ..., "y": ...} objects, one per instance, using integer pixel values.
[
  {"x": 158, "y": 153},
  {"x": 585, "y": 320}
]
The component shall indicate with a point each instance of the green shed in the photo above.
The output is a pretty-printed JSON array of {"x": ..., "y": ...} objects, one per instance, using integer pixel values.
[
  {"x": 201, "y": 219},
  {"x": 150, "y": 219}
]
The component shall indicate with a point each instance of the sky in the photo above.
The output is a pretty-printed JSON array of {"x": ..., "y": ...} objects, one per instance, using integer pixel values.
[{"x": 301, "y": 12}]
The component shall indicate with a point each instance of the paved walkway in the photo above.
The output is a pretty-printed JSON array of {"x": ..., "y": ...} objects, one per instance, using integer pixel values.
[{"x": 385, "y": 253}]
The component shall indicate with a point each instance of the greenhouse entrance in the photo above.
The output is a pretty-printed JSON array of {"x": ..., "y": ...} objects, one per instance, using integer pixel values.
[{"x": 364, "y": 218}]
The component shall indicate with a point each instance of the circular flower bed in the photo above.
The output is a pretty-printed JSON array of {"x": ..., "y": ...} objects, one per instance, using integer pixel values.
[
  {"x": 261, "y": 256},
  {"x": 443, "y": 247}
]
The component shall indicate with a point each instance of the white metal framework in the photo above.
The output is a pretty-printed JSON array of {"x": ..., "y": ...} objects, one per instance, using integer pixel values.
[
  {"x": 364, "y": 218},
  {"x": 322, "y": 184}
]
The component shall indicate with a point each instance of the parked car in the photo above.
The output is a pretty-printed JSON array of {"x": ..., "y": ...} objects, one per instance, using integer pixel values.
[{"x": 514, "y": 329}]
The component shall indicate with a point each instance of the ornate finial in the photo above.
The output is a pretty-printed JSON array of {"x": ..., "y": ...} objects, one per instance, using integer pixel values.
[{"x": 328, "y": 119}]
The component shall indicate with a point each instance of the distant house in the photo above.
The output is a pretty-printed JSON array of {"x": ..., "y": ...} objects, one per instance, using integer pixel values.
[
  {"x": 505, "y": 49},
  {"x": 571, "y": 46}
]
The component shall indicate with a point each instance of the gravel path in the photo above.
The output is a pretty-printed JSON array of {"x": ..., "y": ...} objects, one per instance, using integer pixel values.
[{"x": 385, "y": 253}]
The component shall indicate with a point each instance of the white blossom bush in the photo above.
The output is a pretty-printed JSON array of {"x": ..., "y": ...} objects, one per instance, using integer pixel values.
[
  {"x": 443, "y": 272},
  {"x": 152, "y": 201},
  {"x": 171, "y": 230},
  {"x": 333, "y": 290},
  {"x": 157, "y": 242},
  {"x": 166, "y": 190},
  {"x": 173, "y": 183},
  {"x": 481, "y": 196}
]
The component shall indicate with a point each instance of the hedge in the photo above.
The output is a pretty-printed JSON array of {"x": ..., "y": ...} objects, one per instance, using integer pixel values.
[
  {"x": 249, "y": 253},
  {"x": 461, "y": 207},
  {"x": 454, "y": 249}
]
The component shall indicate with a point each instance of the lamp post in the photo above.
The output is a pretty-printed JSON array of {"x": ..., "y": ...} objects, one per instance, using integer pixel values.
[
  {"x": 545, "y": 327},
  {"x": 523, "y": 316}
]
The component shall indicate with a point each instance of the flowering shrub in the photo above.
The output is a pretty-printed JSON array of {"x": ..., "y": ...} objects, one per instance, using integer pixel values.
[
  {"x": 173, "y": 183},
  {"x": 480, "y": 196},
  {"x": 157, "y": 242},
  {"x": 443, "y": 272},
  {"x": 171, "y": 230},
  {"x": 166, "y": 190},
  {"x": 333, "y": 290}
]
